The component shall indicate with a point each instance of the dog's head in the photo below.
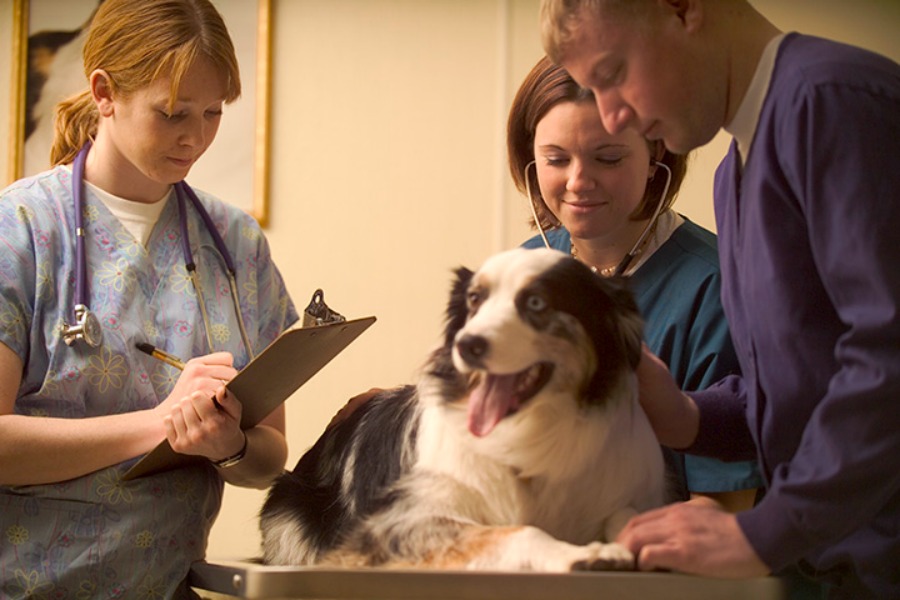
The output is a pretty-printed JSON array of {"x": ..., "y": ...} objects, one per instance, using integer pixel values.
[{"x": 535, "y": 321}]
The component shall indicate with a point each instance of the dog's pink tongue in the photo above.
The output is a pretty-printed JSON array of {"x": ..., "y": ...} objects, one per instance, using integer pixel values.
[{"x": 490, "y": 402}]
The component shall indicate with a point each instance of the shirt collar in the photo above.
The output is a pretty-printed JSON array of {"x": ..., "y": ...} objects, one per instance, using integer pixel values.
[
  {"x": 666, "y": 224},
  {"x": 745, "y": 120}
]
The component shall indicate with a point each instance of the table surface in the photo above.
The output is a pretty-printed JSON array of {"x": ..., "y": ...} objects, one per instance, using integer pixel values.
[{"x": 249, "y": 580}]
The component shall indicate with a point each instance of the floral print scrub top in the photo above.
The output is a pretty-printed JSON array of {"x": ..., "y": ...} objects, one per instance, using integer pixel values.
[{"x": 98, "y": 536}]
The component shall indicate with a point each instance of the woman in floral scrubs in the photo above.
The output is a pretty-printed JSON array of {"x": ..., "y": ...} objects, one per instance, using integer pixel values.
[{"x": 73, "y": 419}]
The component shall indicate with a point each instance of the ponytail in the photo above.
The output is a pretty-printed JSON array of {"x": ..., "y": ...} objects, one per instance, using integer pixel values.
[{"x": 74, "y": 123}]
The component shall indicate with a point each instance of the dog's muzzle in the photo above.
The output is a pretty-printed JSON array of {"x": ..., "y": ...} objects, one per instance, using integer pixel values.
[
  {"x": 473, "y": 349},
  {"x": 496, "y": 395}
]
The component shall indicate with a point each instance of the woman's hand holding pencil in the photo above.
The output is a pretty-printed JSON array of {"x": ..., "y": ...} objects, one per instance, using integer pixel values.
[{"x": 199, "y": 416}]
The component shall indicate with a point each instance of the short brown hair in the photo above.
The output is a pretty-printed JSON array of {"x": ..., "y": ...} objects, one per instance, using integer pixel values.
[{"x": 543, "y": 88}]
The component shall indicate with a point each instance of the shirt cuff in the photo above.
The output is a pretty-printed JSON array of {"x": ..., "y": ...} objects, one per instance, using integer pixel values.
[{"x": 723, "y": 431}]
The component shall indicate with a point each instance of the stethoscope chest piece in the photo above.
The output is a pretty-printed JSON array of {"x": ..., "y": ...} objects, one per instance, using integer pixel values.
[{"x": 86, "y": 327}]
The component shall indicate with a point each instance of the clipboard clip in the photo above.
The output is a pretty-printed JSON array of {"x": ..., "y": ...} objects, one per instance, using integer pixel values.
[{"x": 318, "y": 313}]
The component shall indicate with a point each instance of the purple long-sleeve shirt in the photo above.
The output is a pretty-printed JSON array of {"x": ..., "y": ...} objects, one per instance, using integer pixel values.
[{"x": 809, "y": 241}]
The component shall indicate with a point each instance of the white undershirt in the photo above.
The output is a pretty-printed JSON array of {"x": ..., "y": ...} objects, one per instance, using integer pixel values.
[{"x": 138, "y": 218}]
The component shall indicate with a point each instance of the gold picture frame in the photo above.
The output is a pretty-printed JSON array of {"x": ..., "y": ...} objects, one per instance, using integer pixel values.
[{"x": 235, "y": 169}]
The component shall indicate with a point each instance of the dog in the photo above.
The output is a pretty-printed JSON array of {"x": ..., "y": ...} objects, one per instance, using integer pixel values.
[{"x": 521, "y": 448}]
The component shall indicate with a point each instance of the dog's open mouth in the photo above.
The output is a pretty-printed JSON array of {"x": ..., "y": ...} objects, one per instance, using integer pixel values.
[{"x": 498, "y": 396}]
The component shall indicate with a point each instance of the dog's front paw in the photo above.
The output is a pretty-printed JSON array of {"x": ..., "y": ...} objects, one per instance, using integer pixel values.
[{"x": 604, "y": 557}]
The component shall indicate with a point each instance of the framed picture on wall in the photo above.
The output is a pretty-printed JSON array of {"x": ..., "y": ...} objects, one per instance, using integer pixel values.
[{"x": 49, "y": 36}]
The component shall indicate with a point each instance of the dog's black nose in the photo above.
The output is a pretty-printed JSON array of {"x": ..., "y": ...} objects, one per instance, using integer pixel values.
[{"x": 472, "y": 348}]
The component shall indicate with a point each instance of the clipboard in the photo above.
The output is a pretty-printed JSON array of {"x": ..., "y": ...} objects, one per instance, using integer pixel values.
[{"x": 267, "y": 381}]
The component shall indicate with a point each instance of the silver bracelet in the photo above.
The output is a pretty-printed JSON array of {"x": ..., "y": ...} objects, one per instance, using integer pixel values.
[{"x": 230, "y": 461}]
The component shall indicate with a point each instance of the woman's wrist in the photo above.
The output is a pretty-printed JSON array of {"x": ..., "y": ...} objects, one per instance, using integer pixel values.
[{"x": 230, "y": 461}]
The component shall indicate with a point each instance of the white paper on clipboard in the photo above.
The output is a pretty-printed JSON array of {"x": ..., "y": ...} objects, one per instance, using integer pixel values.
[{"x": 267, "y": 381}]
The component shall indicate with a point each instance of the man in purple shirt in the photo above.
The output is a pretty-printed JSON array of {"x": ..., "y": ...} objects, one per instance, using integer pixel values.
[{"x": 808, "y": 215}]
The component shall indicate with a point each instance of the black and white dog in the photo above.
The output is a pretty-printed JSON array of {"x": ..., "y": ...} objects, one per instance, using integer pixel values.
[{"x": 523, "y": 446}]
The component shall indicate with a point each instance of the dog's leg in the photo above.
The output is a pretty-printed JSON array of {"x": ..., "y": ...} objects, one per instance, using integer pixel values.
[
  {"x": 532, "y": 549},
  {"x": 452, "y": 544},
  {"x": 617, "y": 521}
]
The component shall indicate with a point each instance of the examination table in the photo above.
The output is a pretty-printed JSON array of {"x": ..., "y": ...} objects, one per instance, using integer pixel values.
[{"x": 249, "y": 580}]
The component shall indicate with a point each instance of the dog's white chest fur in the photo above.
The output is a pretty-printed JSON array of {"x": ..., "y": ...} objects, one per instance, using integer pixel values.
[{"x": 606, "y": 463}]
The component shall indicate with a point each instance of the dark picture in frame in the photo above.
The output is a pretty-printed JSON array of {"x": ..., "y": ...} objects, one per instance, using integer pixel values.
[{"x": 49, "y": 35}]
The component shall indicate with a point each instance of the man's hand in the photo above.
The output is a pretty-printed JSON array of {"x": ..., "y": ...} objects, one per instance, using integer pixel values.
[
  {"x": 352, "y": 404},
  {"x": 693, "y": 537}
]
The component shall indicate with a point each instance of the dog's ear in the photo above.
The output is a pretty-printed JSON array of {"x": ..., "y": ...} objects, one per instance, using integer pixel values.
[
  {"x": 605, "y": 307},
  {"x": 456, "y": 306},
  {"x": 630, "y": 325},
  {"x": 618, "y": 311}
]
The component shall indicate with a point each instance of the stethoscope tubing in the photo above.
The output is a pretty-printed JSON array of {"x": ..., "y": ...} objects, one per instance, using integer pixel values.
[
  {"x": 182, "y": 191},
  {"x": 81, "y": 284}
]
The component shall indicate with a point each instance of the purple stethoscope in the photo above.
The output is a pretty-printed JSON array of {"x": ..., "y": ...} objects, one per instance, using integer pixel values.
[{"x": 87, "y": 326}]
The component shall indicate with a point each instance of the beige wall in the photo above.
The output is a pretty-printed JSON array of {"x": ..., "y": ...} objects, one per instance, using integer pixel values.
[
  {"x": 388, "y": 170},
  {"x": 6, "y": 50}
]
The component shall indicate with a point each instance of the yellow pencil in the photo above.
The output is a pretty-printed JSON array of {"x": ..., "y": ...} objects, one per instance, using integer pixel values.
[
  {"x": 169, "y": 360},
  {"x": 160, "y": 355}
]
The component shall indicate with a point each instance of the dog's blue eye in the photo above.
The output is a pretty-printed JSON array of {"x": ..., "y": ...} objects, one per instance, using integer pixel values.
[{"x": 536, "y": 303}]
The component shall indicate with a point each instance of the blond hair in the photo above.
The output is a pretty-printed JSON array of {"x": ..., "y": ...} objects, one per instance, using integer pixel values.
[
  {"x": 135, "y": 42},
  {"x": 558, "y": 16}
]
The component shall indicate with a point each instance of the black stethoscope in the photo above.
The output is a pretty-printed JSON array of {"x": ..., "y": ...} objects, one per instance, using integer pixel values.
[{"x": 87, "y": 326}]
